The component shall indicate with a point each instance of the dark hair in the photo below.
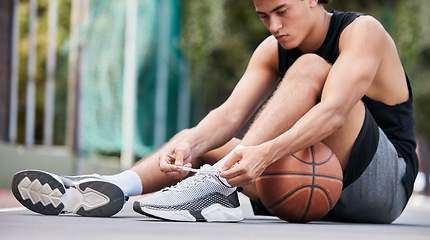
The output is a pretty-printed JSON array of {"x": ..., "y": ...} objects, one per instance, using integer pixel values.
[{"x": 324, "y": 1}]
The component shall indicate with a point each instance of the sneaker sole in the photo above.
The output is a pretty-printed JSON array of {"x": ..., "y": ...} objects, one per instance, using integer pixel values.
[
  {"x": 213, "y": 213},
  {"x": 45, "y": 193}
]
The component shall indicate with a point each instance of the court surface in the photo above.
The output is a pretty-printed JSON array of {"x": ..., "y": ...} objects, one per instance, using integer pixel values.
[{"x": 19, "y": 223}]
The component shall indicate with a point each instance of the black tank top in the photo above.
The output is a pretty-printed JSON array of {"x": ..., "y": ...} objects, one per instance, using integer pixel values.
[{"x": 396, "y": 121}]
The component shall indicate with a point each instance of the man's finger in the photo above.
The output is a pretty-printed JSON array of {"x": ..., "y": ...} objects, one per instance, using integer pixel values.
[
  {"x": 166, "y": 163},
  {"x": 179, "y": 157},
  {"x": 229, "y": 174},
  {"x": 231, "y": 161}
]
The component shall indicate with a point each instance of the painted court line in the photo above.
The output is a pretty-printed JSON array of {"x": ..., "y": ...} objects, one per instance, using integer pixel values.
[{"x": 13, "y": 209}]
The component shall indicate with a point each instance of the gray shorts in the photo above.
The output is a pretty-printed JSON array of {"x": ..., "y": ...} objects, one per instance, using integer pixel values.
[{"x": 378, "y": 195}]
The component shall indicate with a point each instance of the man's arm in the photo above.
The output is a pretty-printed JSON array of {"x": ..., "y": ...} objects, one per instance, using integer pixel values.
[
  {"x": 222, "y": 124},
  {"x": 361, "y": 50}
]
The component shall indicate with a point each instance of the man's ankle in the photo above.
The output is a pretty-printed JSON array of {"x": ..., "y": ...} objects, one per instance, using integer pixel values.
[{"x": 129, "y": 181}]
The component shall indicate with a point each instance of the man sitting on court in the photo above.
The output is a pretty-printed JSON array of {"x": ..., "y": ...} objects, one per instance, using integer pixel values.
[{"x": 338, "y": 80}]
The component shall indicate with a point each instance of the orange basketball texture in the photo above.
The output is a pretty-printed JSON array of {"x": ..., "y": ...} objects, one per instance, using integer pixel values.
[{"x": 302, "y": 187}]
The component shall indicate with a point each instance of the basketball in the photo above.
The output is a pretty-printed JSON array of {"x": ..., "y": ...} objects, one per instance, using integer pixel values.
[{"x": 302, "y": 187}]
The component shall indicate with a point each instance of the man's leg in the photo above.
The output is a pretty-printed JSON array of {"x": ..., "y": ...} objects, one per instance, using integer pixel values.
[
  {"x": 95, "y": 195},
  {"x": 298, "y": 92}
]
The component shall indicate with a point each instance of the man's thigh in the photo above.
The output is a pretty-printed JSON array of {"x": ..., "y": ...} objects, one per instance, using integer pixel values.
[
  {"x": 378, "y": 195},
  {"x": 341, "y": 142}
]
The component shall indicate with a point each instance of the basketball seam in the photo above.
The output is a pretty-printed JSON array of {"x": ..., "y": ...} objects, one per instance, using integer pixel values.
[
  {"x": 312, "y": 187},
  {"x": 300, "y": 188},
  {"x": 301, "y": 174},
  {"x": 287, "y": 196},
  {"x": 327, "y": 195},
  {"x": 313, "y": 163}
]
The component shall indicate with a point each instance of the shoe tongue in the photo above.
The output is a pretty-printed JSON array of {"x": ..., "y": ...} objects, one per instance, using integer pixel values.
[
  {"x": 207, "y": 170},
  {"x": 207, "y": 167}
]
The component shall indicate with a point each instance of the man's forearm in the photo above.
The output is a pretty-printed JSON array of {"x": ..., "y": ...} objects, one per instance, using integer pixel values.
[{"x": 217, "y": 128}]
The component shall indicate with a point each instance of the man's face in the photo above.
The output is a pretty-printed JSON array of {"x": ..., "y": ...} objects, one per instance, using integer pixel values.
[{"x": 287, "y": 20}]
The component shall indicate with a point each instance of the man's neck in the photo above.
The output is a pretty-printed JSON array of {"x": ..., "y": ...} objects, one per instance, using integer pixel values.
[{"x": 317, "y": 33}]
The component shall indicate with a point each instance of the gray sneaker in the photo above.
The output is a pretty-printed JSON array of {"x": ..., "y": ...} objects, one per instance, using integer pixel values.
[
  {"x": 202, "y": 197},
  {"x": 50, "y": 194}
]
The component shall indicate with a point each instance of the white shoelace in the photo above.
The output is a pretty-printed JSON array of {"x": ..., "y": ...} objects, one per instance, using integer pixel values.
[
  {"x": 200, "y": 177},
  {"x": 201, "y": 171}
]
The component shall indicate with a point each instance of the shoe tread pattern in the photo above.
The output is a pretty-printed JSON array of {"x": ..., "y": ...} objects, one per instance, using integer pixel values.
[
  {"x": 113, "y": 192},
  {"x": 41, "y": 192}
]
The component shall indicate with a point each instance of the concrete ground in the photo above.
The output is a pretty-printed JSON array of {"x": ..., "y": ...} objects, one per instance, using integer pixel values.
[{"x": 19, "y": 223}]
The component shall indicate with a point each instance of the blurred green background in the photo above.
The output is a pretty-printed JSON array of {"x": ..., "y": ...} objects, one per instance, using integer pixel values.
[{"x": 218, "y": 38}]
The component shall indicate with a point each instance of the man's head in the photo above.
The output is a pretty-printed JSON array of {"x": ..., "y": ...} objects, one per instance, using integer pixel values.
[{"x": 290, "y": 21}]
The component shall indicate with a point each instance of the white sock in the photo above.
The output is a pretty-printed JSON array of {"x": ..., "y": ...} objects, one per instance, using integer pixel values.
[
  {"x": 128, "y": 181},
  {"x": 221, "y": 162}
]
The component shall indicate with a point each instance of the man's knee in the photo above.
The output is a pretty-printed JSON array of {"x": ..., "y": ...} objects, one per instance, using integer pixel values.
[
  {"x": 309, "y": 70},
  {"x": 311, "y": 66}
]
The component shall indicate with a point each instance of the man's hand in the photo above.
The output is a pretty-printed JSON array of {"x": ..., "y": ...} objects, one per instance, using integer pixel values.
[
  {"x": 179, "y": 155},
  {"x": 251, "y": 163}
]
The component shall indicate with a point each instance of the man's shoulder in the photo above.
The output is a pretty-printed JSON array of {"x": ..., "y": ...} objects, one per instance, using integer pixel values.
[
  {"x": 268, "y": 48},
  {"x": 265, "y": 57},
  {"x": 349, "y": 19},
  {"x": 365, "y": 26},
  {"x": 269, "y": 42},
  {"x": 365, "y": 21}
]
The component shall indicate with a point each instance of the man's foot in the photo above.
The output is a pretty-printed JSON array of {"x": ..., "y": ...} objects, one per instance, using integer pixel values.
[
  {"x": 50, "y": 194},
  {"x": 202, "y": 197}
]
